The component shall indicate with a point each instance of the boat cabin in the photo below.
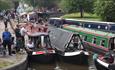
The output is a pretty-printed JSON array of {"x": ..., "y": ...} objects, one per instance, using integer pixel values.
[
  {"x": 97, "y": 41},
  {"x": 42, "y": 44},
  {"x": 40, "y": 40}
]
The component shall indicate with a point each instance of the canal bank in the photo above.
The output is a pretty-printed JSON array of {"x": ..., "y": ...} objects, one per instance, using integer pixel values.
[
  {"x": 17, "y": 61},
  {"x": 14, "y": 62}
]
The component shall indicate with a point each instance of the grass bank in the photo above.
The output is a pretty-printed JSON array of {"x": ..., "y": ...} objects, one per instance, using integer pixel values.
[{"x": 87, "y": 16}]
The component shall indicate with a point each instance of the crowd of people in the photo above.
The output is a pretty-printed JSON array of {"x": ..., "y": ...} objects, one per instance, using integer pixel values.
[
  {"x": 17, "y": 42},
  {"x": 7, "y": 39}
]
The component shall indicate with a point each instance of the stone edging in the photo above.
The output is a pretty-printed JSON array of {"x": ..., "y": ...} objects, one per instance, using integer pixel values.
[{"x": 21, "y": 65}]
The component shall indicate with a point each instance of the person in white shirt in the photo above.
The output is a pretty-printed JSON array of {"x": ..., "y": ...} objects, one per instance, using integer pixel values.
[
  {"x": 23, "y": 32},
  {"x": 30, "y": 46}
]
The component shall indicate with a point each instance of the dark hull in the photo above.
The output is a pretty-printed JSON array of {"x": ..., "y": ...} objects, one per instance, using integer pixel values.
[
  {"x": 99, "y": 66},
  {"x": 43, "y": 58},
  {"x": 81, "y": 59}
]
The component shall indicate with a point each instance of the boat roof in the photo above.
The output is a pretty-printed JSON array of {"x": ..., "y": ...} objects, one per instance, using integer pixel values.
[
  {"x": 60, "y": 38},
  {"x": 92, "y": 21},
  {"x": 89, "y": 31},
  {"x": 97, "y": 22},
  {"x": 37, "y": 34}
]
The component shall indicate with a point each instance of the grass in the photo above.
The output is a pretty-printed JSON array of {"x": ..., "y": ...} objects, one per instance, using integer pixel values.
[
  {"x": 87, "y": 16},
  {"x": 7, "y": 62},
  {"x": 4, "y": 64}
]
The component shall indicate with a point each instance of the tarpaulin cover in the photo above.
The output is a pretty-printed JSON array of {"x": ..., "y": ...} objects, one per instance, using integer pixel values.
[{"x": 60, "y": 38}]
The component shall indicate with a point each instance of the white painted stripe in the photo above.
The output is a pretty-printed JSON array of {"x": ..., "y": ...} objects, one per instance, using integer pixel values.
[
  {"x": 86, "y": 53},
  {"x": 72, "y": 53},
  {"x": 34, "y": 53},
  {"x": 103, "y": 63}
]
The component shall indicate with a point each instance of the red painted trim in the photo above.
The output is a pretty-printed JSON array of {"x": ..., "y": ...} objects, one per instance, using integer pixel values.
[{"x": 100, "y": 47}]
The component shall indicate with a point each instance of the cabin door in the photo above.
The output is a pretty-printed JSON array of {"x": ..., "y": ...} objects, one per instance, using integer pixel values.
[{"x": 112, "y": 44}]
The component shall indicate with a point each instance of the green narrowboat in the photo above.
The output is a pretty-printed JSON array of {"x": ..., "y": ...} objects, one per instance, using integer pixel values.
[{"x": 96, "y": 41}]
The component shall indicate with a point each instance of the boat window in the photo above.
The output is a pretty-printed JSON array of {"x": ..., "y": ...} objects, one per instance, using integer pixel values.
[
  {"x": 85, "y": 38},
  {"x": 106, "y": 27},
  {"x": 94, "y": 41},
  {"x": 98, "y": 27},
  {"x": 103, "y": 43},
  {"x": 89, "y": 26},
  {"x": 112, "y": 43}
]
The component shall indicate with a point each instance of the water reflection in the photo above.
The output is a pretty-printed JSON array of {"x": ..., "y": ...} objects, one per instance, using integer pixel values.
[
  {"x": 57, "y": 66},
  {"x": 60, "y": 65}
]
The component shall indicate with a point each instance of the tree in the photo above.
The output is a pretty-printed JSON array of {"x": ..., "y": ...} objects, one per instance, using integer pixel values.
[
  {"x": 105, "y": 9},
  {"x": 5, "y": 4},
  {"x": 71, "y": 6},
  {"x": 42, "y": 3}
]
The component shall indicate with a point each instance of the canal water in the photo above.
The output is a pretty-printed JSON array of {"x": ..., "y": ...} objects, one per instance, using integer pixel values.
[{"x": 60, "y": 65}]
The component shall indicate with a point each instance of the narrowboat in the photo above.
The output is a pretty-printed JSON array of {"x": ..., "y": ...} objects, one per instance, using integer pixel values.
[
  {"x": 69, "y": 46},
  {"x": 102, "y": 43},
  {"x": 58, "y": 22},
  {"x": 97, "y": 25},
  {"x": 97, "y": 41},
  {"x": 42, "y": 51},
  {"x": 105, "y": 62}
]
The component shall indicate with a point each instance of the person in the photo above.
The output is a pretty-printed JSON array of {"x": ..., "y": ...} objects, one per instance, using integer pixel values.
[
  {"x": 13, "y": 45},
  {"x": 17, "y": 31},
  {"x": 75, "y": 41},
  {"x": 0, "y": 44},
  {"x": 6, "y": 36},
  {"x": 18, "y": 38},
  {"x": 23, "y": 31},
  {"x": 2, "y": 50},
  {"x": 6, "y": 18},
  {"x": 62, "y": 22},
  {"x": 30, "y": 46}
]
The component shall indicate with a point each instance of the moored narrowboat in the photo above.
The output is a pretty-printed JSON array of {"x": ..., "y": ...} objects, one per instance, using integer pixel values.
[
  {"x": 105, "y": 62},
  {"x": 97, "y": 25},
  {"x": 39, "y": 47},
  {"x": 97, "y": 41},
  {"x": 69, "y": 46}
]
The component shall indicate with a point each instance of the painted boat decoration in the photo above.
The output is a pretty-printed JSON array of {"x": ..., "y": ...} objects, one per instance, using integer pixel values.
[{"x": 97, "y": 41}]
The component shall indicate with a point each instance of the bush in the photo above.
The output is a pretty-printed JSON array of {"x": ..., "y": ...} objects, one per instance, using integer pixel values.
[{"x": 105, "y": 9}]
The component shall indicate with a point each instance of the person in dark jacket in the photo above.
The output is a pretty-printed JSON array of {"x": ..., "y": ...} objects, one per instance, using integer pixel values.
[
  {"x": 7, "y": 18},
  {"x": 18, "y": 38},
  {"x": 6, "y": 36}
]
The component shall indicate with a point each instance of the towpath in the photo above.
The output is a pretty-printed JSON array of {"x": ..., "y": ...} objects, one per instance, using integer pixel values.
[{"x": 7, "y": 61}]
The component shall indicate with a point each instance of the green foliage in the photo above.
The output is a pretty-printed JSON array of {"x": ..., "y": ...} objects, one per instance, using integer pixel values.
[
  {"x": 5, "y": 4},
  {"x": 87, "y": 16},
  {"x": 105, "y": 9},
  {"x": 71, "y": 6},
  {"x": 42, "y": 3}
]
